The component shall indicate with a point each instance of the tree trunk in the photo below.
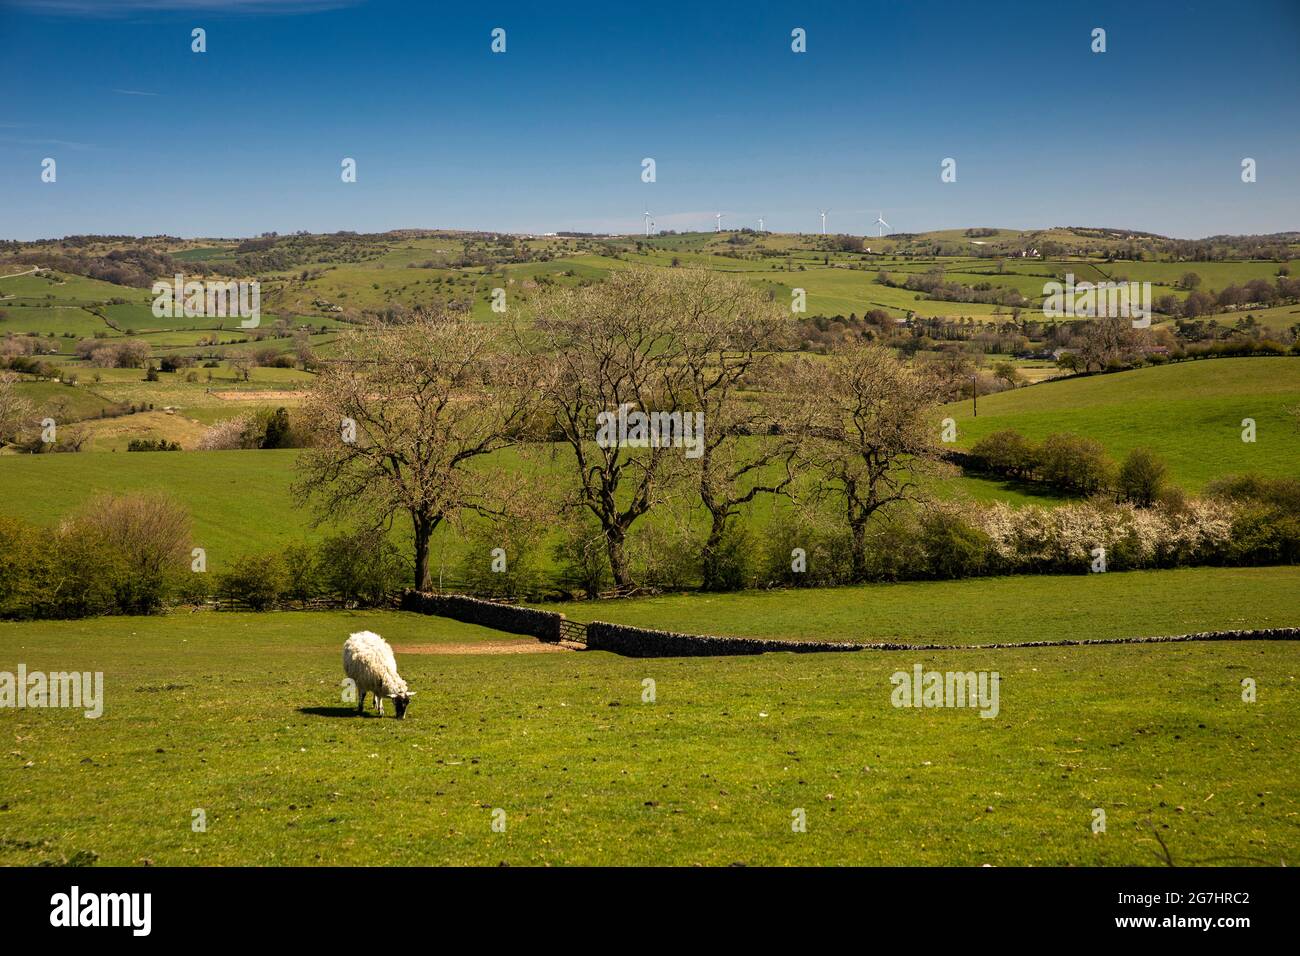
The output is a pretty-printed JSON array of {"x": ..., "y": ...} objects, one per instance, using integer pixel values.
[
  {"x": 614, "y": 538},
  {"x": 423, "y": 528},
  {"x": 859, "y": 528},
  {"x": 710, "y": 556}
]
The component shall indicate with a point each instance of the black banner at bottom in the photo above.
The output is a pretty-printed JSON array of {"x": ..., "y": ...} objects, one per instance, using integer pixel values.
[{"x": 399, "y": 905}]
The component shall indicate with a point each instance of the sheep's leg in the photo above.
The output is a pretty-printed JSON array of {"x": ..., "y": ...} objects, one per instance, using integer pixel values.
[
  {"x": 379, "y": 705},
  {"x": 361, "y": 704}
]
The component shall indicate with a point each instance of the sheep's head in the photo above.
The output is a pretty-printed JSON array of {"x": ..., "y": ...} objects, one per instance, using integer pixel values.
[{"x": 401, "y": 702}]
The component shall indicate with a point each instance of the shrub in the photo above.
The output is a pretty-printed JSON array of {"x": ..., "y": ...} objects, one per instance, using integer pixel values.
[
  {"x": 663, "y": 556},
  {"x": 144, "y": 543},
  {"x": 174, "y": 363},
  {"x": 152, "y": 444},
  {"x": 87, "y": 571},
  {"x": 26, "y": 565},
  {"x": 893, "y": 550},
  {"x": 277, "y": 432},
  {"x": 952, "y": 546},
  {"x": 581, "y": 556},
  {"x": 362, "y": 567},
  {"x": 729, "y": 566},
  {"x": 227, "y": 435},
  {"x": 194, "y": 588},
  {"x": 1007, "y": 452},
  {"x": 828, "y": 552},
  {"x": 1073, "y": 463},
  {"x": 1264, "y": 534},
  {"x": 520, "y": 540},
  {"x": 1058, "y": 539},
  {"x": 1282, "y": 492},
  {"x": 1141, "y": 478},
  {"x": 301, "y": 573},
  {"x": 258, "y": 581}
]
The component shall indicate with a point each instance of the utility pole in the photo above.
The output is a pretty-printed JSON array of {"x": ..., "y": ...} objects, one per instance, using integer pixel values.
[{"x": 974, "y": 396}]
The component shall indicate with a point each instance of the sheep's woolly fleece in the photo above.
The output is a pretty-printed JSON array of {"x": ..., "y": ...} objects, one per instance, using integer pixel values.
[{"x": 369, "y": 661}]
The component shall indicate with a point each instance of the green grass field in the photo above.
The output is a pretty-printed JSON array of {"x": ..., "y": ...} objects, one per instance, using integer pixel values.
[
  {"x": 1189, "y": 412},
  {"x": 48, "y": 319},
  {"x": 978, "y": 610},
  {"x": 239, "y": 499},
  {"x": 65, "y": 403},
  {"x": 240, "y": 716}
]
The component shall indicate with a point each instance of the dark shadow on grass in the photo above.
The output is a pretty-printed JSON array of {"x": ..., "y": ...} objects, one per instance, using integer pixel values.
[
  {"x": 1030, "y": 489},
  {"x": 329, "y": 711},
  {"x": 1009, "y": 485}
]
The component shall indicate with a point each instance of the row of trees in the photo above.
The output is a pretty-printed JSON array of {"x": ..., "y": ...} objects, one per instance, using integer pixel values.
[
  {"x": 406, "y": 419},
  {"x": 1076, "y": 465}
]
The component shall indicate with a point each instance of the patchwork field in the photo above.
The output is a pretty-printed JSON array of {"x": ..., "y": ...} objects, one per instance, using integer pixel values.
[{"x": 240, "y": 717}]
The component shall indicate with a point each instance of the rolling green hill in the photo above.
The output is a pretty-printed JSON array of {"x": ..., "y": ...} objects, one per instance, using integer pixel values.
[{"x": 1189, "y": 412}]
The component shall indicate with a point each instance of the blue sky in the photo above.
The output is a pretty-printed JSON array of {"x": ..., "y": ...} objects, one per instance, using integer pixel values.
[{"x": 248, "y": 137}]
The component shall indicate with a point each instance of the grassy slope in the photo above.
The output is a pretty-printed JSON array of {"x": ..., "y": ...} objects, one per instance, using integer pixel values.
[
  {"x": 240, "y": 715},
  {"x": 239, "y": 500},
  {"x": 63, "y": 402},
  {"x": 1189, "y": 412},
  {"x": 980, "y": 610}
]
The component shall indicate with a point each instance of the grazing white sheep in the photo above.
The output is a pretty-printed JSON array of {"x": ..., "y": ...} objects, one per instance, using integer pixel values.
[{"x": 369, "y": 662}]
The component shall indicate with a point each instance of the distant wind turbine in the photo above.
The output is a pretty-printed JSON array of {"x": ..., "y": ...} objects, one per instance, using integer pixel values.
[
  {"x": 880, "y": 221},
  {"x": 718, "y": 226},
  {"x": 824, "y": 212},
  {"x": 760, "y": 223},
  {"x": 649, "y": 222}
]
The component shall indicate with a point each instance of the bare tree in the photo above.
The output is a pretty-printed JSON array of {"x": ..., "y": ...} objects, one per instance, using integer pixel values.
[
  {"x": 14, "y": 409},
  {"x": 401, "y": 416},
  {"x": 611, "y": 346},
  {"x": 241, "y": 363},
  {"x": 302, "y": 348},
  {"x": 865, "y": 420},
  {"x": 1106, "y": 340},
  {"x": 727, "y": 328}
]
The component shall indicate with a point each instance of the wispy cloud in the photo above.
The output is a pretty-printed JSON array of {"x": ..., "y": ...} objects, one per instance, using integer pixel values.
[
  {"x": 109, "y": 8},
  {"x": 135, "y": 93},
  {"x": 68, "y": 144}
]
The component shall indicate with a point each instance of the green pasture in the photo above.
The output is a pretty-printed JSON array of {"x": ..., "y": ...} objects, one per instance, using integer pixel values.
[
  {"x": 51, "y": 320},
  {"x": 1191, "y": 413},
  {"x": 1015, "y": 609},
  {"x": 68, "y": 289},
  {"x": 63, "y": 403},
  {"x": 240, "y": 717}
]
